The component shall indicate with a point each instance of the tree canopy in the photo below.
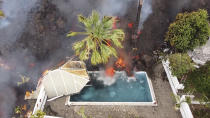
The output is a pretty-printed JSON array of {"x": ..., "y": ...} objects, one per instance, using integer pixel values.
[
  {"x": 180, "y": 64},
  {"x": 189, "y": 30},
  {"x": 101, "y": 39}
]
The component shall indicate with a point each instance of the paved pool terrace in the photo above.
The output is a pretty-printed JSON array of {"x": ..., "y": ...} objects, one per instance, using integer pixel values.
[{"x": 164, "y": 109}]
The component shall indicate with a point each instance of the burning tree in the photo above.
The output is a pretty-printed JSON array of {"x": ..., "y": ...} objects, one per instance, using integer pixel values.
[{"x": 101, "y": 39}]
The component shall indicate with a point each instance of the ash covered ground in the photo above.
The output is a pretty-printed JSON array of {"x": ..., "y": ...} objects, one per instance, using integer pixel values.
[{"x": 34, "y": 36}]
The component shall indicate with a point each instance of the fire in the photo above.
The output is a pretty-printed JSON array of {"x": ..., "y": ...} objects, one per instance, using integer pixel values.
[
  {"x": 139, "y": 32},
  {"x": 110, "y": 71},
  {"x": 45, "y": 72},
  {"x": 130, "y": 25},
  {"x": 114, "y": 25},
  {"x": 120, "y": 63},
  {"x": 24, "y": 108}
]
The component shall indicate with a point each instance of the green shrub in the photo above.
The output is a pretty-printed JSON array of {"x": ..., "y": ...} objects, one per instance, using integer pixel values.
[
  {"x": 189, "y": 30},
  {"x": 199, "y": 81},
  {"x": 38, "y": 114},
  {"x": 180, "y": 64}
]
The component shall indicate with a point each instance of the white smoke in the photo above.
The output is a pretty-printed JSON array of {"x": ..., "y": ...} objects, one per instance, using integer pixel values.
[
  {"x": 15, "y": 12},
  {"x": 146, "y": 10},
  {"x": 113, "y": 7},
  {"x": 11, "y": 27}
]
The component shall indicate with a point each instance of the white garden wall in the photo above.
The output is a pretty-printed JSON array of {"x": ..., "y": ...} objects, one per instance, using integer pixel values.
[{"x": 175, "y": 86}]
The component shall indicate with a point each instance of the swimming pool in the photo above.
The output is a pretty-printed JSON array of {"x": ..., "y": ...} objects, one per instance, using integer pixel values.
[{"x": 125, "y": 91}]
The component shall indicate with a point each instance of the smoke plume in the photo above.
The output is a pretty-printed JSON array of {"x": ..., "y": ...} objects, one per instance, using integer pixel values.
[
  {"x": 12, "y": 64},
  {"x": 146, "y": 10}
]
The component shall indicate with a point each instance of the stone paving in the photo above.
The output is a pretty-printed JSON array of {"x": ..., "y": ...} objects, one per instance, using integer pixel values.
[{"x": 163, "y": 93}]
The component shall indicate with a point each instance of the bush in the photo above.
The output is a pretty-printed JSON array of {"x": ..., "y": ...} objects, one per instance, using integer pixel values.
[
  {"x": 199, "y": 80},
  {"x": 189, "y": 30},
  {"x": 180, "y": 64}
]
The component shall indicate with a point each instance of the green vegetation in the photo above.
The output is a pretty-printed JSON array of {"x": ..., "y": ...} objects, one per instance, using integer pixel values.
[
  {"x": 199, "y": 81},
  {"x": 189, "y": 30},
  {"x": 100, "y": 39},
  {"x": 1, "y": 13},
  {"x": 38, "y": 114},
  {"x": 180, "y": 64},
  {"x": 81, "y": 112}
]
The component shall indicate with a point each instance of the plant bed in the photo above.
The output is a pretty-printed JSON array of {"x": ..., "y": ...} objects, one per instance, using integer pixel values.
[{"x": 200, "y": 111}]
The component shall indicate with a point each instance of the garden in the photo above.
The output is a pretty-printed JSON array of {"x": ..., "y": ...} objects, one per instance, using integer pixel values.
[{"x": 191, "y": 30}]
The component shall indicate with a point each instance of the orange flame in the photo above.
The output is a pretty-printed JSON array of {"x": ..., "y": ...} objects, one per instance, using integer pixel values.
[
  {"x": 130, "y": 25},
  {"x": 114, "y": 25},
  {"x": 45, "y": 72},
  {"x": 110, "y": 71},
  {"x": 120, "y": 63},
  {"x": 27, "y": 94},
  {"x": 24, "y": 108}
]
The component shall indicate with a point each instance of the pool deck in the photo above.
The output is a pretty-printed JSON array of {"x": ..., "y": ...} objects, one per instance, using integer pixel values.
[{"x": 163, "y": 93}]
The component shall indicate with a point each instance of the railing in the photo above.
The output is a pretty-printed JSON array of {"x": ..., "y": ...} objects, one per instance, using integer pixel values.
[
  {"x": 175, "y": 86},
  {"x": 41, "y": 100}
]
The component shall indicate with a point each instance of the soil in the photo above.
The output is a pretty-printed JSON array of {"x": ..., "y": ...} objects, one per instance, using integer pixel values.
[{"x": 200, "y": 111}]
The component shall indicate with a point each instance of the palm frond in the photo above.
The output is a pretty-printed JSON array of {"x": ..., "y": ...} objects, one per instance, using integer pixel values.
[
  {"x": 98, "y": 33},
  {"x": 95, "y": 58}
]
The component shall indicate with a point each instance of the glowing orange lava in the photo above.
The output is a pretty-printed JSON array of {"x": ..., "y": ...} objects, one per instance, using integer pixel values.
[
  {"x": 130, "y": 25},
  {"x": 114, "y": 25},
  {"x": 120, "y": 63},
  {"x": 110, "y": 71},
  {"x": 45, "y": 72}
]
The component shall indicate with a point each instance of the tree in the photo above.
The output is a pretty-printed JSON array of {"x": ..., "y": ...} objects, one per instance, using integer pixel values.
[
  {"x": 101, "y": 39},
  {"x": 199, "y": 81},
  {"x": 189, "y": 30},
  {"x": 180, "y": 64}
]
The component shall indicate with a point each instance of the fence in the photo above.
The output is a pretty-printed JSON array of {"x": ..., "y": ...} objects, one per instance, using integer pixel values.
[
  {"x": 41, "y": 100},
  {"x": 175, "y": 86}
]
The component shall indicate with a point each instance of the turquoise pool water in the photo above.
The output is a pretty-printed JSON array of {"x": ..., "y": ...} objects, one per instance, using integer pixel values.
[{"x": 121, "y": 91}]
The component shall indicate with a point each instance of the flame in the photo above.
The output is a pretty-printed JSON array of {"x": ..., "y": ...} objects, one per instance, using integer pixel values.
[
  {"x": 110, "y": 71},
  {"x": 130, "y": 25},
  {"x": 114, "y": 25},
  {"x": 24, "y": 107},
  {"x": 120, "y": 63},
  {"x": 45, "y": 72}
]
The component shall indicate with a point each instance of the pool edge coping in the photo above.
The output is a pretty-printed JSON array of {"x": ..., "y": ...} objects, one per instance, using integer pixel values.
[{"x": 153, "y": 103}]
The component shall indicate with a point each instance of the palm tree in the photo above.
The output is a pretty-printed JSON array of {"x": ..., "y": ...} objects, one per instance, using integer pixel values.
[{"x": 101, "y": 39}]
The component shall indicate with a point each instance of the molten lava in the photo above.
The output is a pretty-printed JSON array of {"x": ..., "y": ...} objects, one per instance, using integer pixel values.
[
  {"x": 45, "y": 72},
  {"x": 120, "y": 63},
  {"x": 110, "y": 71},
  {"x": 114, "y": 25},
  {"x": 130, "y": 25}
]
